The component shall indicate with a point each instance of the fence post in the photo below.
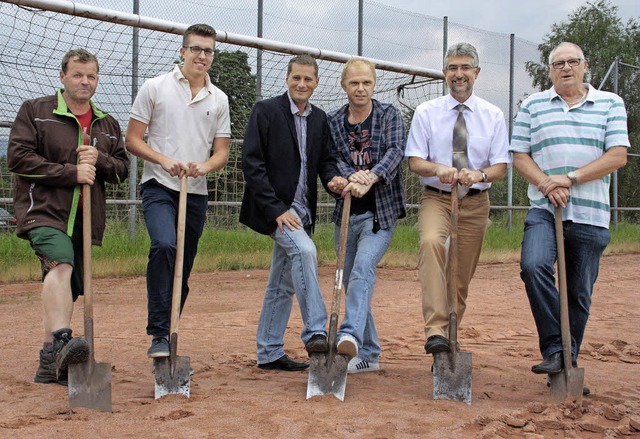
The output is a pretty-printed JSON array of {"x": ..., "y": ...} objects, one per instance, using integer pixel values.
[
  {"x": 512, "y": 38},
  {"x": 259, "y": 53},
  {"x": 360, "y": 22},
  {"x": 445, "y": 44},
  {"x": 133, "y": 160},
  {"x": 616, "y": 76}
]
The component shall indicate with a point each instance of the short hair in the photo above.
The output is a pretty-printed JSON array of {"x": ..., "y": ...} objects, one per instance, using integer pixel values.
[
  {"x": 305, "y": 60},
  {"x": 200, "y": 29},
  {"x": 462, "y": 49},
  {"x": 82, "y": 55},
  {"x": 354, "y": 61},
  {"x": 564, "y": 43}
]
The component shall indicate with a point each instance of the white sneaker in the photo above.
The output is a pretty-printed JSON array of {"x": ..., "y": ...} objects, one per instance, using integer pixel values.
[
  {"x": 357, "y": 365},
  {"x": 348, "y": 346}
]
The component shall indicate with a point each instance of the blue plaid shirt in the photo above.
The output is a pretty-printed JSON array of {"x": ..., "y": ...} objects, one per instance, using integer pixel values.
[{"x": 388, "y": 141}]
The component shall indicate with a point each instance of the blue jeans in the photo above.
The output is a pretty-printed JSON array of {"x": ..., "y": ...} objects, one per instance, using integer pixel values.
[
  {"x": 294, "y": 270},
  {"x": 584, "y": 245},
  {"x": 364, "y": 251},
  {"x": 160, "y": 208}
]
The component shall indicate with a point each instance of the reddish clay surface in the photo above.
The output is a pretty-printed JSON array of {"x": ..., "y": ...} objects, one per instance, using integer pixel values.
[{"x": 232, "y": 398}]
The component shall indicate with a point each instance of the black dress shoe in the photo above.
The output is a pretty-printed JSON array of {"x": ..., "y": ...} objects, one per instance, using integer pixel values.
[
  {"x": 284, "y": 363},
  {"x": 317, "y": 343},
  {"x": 435, "y": 344},
  {"x": 551, "y": 365}
]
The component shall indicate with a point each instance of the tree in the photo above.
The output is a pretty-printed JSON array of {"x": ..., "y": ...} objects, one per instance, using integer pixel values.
[
  {"x": 598, "y": 30},
  {"x": 231, "y": 73}
]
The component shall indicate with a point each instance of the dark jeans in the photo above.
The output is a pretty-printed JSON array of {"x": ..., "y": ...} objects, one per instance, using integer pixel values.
[
  {"x": 583, "y": 245},
  {"x": 160, "y": 208}
]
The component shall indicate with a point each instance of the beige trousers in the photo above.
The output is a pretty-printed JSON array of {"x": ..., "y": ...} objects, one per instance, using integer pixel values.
[{"x": 434, "y": 224}]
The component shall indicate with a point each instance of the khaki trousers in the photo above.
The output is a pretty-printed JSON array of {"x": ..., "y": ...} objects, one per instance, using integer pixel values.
[{"x": 434, "y": 224}]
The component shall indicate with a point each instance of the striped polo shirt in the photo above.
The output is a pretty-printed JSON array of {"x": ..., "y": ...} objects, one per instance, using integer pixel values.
[{"x": 562, "y": 139}]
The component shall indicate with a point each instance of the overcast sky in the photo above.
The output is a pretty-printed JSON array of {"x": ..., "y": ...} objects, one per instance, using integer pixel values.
[{"x": 528, "y": 19}]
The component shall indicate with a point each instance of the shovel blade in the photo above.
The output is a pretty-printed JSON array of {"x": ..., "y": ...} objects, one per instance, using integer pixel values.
[
  {"x": 176, "y": 382},
  {"x": 327, "y": 375},
  {"x": 452, "y": 376},
  {"x": 90, "y": 385},
  {"x": 568, "y": 382}
]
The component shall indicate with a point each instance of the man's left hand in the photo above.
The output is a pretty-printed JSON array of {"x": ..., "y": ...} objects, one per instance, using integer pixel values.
[
  {"x": 552, "y": 182},
  {"x": 337, "y": 184}
]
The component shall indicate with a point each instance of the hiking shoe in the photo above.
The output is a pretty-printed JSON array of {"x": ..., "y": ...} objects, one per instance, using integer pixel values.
[
  {"x": 68, "y": 350},
  {"x": 358, "y": 365},
  {"x": 347, "y": 345},
  {"x": 159, "y": 347},
  {"x": 46, "y": 373}
]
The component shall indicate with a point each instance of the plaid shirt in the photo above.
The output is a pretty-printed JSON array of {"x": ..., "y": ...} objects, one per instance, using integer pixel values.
[{"x": 388, "y": 141}]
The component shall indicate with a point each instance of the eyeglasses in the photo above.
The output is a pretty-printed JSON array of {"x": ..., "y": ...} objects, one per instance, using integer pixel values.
[
  {"x": 572, "y": 63},
  {"x": 196, "y": 50},
  {"x": 463, "y": 67}
]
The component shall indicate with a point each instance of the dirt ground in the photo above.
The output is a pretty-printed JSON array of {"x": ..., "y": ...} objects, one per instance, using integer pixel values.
[{"x": 232, "y": 398}]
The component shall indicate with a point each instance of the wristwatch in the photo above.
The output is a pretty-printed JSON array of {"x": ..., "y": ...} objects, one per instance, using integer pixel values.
[
  {"x": 484, "y": 175},
  {"x": 573, "y": 177}
]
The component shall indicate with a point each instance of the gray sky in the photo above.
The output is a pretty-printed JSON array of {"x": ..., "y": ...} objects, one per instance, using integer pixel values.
[{"x": 527, "y": 19}]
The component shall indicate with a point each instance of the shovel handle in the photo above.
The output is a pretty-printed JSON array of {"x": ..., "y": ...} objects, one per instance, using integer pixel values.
[
  {"x": 176, "y": 298},
  {"x": 452, "y": 270},
  {"x": 338, "y": 282},
  {"x": 562, "y": 282},
  {"x": 87, "y": 268}
]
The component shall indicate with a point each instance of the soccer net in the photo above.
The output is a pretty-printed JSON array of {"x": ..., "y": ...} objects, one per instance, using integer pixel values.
[{"x": 33, "y": 42}]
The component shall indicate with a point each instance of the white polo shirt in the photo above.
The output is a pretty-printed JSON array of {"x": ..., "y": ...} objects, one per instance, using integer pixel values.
[
  {"x": 431, "y": 135},
  {"x": 181, "y": 127}
]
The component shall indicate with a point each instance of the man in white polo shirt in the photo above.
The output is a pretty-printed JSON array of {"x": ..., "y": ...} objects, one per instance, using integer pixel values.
[
  {"x": 186, "y": 116},
  {"x": 566, "y": 142}
]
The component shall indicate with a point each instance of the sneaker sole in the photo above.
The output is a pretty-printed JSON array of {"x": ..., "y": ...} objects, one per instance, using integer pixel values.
[
  {"x": 348, "y": 347},
  {"x": 158, "y": 354},
  {"x": 76, "y": 351},
  {"x": 366, "y": 369}
]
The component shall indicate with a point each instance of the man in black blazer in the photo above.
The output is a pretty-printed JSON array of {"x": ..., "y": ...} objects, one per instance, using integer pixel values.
[{"x": 286, "y": 147}]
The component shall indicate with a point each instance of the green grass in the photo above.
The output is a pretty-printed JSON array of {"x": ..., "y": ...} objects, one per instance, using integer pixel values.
[{"x": 242, "y": 249}]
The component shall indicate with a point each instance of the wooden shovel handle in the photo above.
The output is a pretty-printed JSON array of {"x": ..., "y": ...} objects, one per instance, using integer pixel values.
[
  {"x": 87, "y": 267},
  {"x": 339, "y": 281},
  {"x": 565, "y": 329},
  {"x": 452, "y": 270},
  {"x": 177, "y": 271}
]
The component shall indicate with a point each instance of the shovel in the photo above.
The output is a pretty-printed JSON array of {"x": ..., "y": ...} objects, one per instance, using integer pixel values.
[
  {"x": 328, "y": 371},
  {"x": 572, "y": 380},
  {"x": 452, "y": 370},
  {"x": 89, "y": 382},
  {"x": 172, "y": 373}
]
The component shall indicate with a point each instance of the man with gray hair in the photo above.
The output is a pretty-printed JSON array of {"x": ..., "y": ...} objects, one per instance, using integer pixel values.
[
  {"x": 469, "y": 127},
  {"x": 566, "y": 142}
]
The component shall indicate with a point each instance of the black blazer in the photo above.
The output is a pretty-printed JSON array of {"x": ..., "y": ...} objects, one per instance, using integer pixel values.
[{"x": 271, "y": 162}]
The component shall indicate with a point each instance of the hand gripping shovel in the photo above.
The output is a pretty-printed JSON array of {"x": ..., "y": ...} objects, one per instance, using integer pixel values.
[
  {"x": 452, "y": 370},
  {"x": 89, "y": 382},
  {"x": 173, "y": 373},
  {"x": 571, "y": 381},
  {"x": 328, "y": 371}
]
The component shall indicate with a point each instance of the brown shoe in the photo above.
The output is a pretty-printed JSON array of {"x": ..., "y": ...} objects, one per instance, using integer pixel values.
[{"x": 317, "y": 343}]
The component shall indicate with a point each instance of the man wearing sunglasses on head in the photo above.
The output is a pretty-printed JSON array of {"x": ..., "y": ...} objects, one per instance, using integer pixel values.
[
  {"x": 566, "y": 142},
  {"x": 369, "y": 139},
  {"x": 186, "y": 116}
]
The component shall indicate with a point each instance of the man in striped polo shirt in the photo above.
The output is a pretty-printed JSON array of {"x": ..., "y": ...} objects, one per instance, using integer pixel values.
[{"x": 566, "y": 142}]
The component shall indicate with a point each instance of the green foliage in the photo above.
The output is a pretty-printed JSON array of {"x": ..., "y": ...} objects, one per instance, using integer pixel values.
[
  {"x": 603, "y": 37},
  {"x": 231, "y": 73}
]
